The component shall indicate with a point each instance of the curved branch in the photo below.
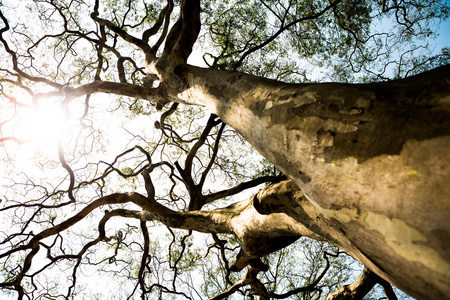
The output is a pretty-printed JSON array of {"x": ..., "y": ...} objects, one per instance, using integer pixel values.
[
  {"x": 16, "y": 140},
  {"x": 213, "y": 156},
  {"x": 69, "y": 170},
  {"x": 230, "y": 291},
  {"x": 164, "y": 16},
  {"x": 195, "y": 190},
  {"x": 358, "y": 289},
  {"x": 34, "y": 243},
  {"x": 145, "y": 253},
  {"x": 124, "y": 89},
  {"x": 243, "y": 186},
  {"x": 111, "y": 199},
  {"x": 212, "y": 122}
]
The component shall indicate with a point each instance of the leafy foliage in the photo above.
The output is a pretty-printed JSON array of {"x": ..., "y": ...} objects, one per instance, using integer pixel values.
[{"x": 292, "y": 40}]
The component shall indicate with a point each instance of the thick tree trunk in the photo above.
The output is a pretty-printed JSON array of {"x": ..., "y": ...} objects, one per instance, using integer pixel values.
[{"x": 373, "y": 159}]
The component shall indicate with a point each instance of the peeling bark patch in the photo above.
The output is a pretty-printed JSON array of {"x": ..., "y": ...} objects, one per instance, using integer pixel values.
[
  {"x": 406, "y": 241},
  {"x": 383, "y": 126},
  {"x": 325, "y": 138},
  {"x": 347, "y": 111},
  {"x": 312, "y": 134},
  {"x": 281, "y": 106},
  {"x": 386, "y": 128}
]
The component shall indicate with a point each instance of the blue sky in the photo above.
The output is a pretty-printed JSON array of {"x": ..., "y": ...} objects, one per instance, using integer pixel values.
[{"x": 444, "y": 34}]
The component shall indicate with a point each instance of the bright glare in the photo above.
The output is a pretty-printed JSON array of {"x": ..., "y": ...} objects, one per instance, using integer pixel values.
[
  {"x": 42, "y": 126},
  {"x": 44, "y": 123}
]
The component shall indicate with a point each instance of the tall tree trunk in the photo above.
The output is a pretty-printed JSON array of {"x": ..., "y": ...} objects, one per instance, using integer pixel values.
[{"x": 373, "y": 159}]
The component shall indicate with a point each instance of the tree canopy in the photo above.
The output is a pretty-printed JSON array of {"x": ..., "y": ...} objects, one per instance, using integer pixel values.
[{"x": 114, "y": 183}]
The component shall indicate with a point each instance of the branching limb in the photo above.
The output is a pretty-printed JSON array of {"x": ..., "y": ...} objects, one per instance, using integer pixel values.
[
  {"x": 249, "y": 279},
  {"x": 145, "y": 257},
  {"x": 213, "y": 156},
  {"x": 360, "y": 287},
  {"x": 230, "y": 291},
  {"x": 163, "y": 126},
  {"x": 388, "y": 290},
  {"x": 16, "y": 140},
  {"x": 195, "y": 189},
  {"x": 243, "y": 186},
  {"x": 221, "y": 245},
  {"x": 124, "y": 89},
  {"x": 180, "y": 254},
  {"x": 164, "y": 16},
  {"x": 210, "y": 222}
]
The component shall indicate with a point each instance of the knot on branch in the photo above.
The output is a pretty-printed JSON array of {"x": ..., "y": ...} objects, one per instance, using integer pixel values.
[
  {"x": 149, "y": 80},
  {"x": 243, "y": 259},
  {"x": 276, "y": 198},
  {"x": 67, "y": 89}
]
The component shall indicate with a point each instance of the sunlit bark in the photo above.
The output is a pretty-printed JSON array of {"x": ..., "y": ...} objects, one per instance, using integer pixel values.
[{"x": 371, "y": 158}]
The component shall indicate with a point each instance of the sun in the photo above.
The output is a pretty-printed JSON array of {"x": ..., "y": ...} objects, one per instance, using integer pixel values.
[
  {"x": 46, "y": 123},
  {"x": 35, "y": 130}
]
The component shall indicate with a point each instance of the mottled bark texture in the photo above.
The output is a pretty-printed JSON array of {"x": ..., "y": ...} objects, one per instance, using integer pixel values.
[{"x": 372, "y": 159}]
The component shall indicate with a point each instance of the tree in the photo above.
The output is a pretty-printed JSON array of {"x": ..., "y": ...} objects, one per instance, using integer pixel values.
[{"x": 364, "y": 165}]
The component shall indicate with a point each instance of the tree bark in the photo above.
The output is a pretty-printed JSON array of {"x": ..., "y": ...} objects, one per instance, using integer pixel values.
[
  {"x": 372, "y": 159},
  {"x": 356, "y": 290}
]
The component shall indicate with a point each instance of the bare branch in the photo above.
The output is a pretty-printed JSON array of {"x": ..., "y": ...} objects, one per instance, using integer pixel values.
[
  {"x": 69, "y": 170},
  {"x": 243, "y": 186}
]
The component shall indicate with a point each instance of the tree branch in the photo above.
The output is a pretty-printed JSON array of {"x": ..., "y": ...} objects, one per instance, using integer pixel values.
[
  {"x": 183, "y": 34},
  {"x": 164, "y": 16},
  {"x": 125, "y": 89},
  {"x": 356, "y": 290},
  {"x": 69, "y": 170},
  {"x": 144, "y": 260},
  {"x": 242, "y": 187},
  {"x": 213, "y": 156}
]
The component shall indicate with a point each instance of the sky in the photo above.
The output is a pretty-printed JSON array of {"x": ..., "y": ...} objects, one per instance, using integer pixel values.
[{"x": 444, "y": 35}]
